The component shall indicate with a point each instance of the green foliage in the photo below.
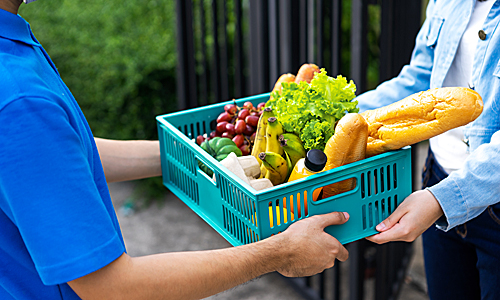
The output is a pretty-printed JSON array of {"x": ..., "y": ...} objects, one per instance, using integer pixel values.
[{"x": 117, "y": 57}]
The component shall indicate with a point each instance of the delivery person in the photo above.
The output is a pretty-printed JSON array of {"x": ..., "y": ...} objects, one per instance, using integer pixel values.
[{"x": 59, "y": 235}]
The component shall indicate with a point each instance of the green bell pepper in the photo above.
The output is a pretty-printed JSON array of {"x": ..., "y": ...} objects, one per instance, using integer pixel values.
[{"x": 219, "y": 148}]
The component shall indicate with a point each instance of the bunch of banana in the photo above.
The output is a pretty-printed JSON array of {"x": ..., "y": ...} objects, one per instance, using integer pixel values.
[
  {"x": 276, "y": 167},
  {"x": 273, "y": 131},
  {"x": 293, "y": 147},
  {"x": 260, "y": 142},
  {"x": 276, "y": 151}
]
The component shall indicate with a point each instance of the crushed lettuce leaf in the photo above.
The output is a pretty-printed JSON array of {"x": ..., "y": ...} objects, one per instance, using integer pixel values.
[{"x": 312, "y": 110}]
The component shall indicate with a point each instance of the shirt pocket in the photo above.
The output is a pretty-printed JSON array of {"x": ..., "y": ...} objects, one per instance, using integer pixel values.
[{"x": 434, "y": 30}]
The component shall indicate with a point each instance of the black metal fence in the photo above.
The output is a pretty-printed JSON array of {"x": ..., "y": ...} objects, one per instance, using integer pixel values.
[
  {"x": 235, "y": 48},
  {"x": 230, "y": 49}
]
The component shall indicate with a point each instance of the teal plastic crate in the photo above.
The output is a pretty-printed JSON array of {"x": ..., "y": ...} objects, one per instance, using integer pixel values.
[{"x": 243, "y": 215}]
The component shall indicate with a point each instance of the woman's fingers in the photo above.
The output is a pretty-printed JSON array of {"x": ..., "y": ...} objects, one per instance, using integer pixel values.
[{"x": 413, "y": 216}]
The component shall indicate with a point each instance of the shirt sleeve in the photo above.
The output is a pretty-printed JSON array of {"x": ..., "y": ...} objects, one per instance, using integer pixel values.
[
  {"x": 467, "y": 192},
  {"x": 48, "y": 191},
  {"x": 413, "y": 78}
]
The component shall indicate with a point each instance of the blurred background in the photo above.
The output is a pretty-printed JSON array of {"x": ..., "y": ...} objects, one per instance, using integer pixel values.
[{"x": 127, "y": 62}]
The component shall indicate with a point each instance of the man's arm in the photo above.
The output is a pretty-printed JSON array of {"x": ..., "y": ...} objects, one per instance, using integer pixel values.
[
  {"x": 129, "y": 160},
  {"x": 303, "y": 249}
]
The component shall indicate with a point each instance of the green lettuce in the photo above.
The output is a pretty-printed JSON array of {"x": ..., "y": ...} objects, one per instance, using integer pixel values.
[{"x": 311, "y": 110}]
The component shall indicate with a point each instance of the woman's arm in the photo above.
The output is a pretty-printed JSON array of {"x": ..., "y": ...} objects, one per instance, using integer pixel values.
[
  {"x": 129, "y": 160},
  {"x": 462, "y": 196}
]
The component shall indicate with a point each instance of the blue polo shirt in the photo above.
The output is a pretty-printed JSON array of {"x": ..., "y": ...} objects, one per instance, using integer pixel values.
[{"x": 57, "y": 221}]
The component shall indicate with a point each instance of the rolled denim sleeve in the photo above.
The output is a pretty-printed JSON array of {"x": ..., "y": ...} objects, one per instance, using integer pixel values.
[
  {"x": 414, "y": 77},
  {"x": 466, "y": 193}
]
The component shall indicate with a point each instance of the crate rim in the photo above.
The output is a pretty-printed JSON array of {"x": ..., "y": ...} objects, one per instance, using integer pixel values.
[
  {"x": 208, "y": 106},
  {"x": 301, "y": 184}
]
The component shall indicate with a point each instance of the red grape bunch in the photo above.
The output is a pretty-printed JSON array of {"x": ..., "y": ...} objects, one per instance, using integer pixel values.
[{"x": 238, "y": 124}]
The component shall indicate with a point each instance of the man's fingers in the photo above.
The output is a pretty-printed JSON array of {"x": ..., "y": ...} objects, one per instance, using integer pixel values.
[
  {"x": 333, "y": 218},
  {"x": 343, "y": 254}
]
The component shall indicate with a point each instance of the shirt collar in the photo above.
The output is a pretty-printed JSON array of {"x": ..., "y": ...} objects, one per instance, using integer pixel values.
[{"x": 15, "y": 28}]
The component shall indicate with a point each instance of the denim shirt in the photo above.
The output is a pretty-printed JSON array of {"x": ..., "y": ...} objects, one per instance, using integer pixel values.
[{"x": 466, "y": 193}]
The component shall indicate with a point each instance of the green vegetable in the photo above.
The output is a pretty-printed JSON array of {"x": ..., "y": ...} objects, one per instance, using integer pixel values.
[
  {"x": 312, "y": 110},
  {"x": 219, "y": 148}
]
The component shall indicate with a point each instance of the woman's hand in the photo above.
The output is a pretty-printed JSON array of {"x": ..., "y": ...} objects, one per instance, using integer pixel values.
[{"x": 412, "y": 217}]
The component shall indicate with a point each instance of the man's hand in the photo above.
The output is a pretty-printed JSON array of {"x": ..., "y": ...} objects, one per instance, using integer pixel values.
[
  {"x": 412, "y": 217},
  {"x": 310, "y": 249}
]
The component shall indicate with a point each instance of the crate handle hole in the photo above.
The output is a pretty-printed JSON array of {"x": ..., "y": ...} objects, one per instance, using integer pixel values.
[
  {"x": 205, "y": 170},
  {"x": 335, "y": 189}
]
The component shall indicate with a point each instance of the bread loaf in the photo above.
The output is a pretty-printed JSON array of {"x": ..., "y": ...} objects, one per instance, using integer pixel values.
[
  {"x": 306, "y": 73},
  {"x": 283, "y": 78},
  {"x": 419, "y": 117},
  {"x": 347, "y": 145}
]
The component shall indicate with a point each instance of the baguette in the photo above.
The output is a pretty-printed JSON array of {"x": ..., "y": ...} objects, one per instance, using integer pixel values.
[
  {"x": 419, "y": 117},
  {"x": 347, "y": 145}
]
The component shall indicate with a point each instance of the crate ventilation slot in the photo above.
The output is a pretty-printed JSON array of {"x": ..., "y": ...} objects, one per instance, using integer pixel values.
[
  {"x": 379, "y": 180},
  {"x": 194, "y": 129},
  {"x": 237, "y": 199},
  {"x": 375, "y": 212},
  {"x": 180, "y": 165},
  {"x": 238, "y": 229},
  {"x": 185, "y": 183}
]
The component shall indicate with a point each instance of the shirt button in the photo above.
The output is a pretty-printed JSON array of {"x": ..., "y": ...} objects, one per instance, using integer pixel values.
[{"x": 482, "y": 34}]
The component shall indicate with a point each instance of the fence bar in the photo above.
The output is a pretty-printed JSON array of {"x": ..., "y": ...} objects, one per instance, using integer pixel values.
[
  {"x": 392, "y": 260},
  {"x": 303, "y": 31},
  {"x": 396, "y": 51},
  {"x": 311, "y": 21},
  {"x": 336, "y": 37},
  {"x": 186, "y": 78},
  {"x": 285, "y": 36},
  {"x": 320, "y": 32},
  {"x": 203, "y": 78},
  {"x": 259, "y": 41},
  {"x": 356, "y": 269},
  {"x": 224, "y": 64},
  {"x": 216, "y": 74},
  {"x": 274, "y": 41},
  {"x": 239, "y": 87},
  {"x": 359, "y": 44}
]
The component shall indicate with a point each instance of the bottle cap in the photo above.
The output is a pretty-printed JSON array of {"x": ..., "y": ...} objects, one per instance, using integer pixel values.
[{"x": 315, "y": 160}]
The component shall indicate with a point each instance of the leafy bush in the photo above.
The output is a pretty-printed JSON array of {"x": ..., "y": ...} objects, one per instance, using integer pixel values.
[{"x": 117, "y": 57}]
